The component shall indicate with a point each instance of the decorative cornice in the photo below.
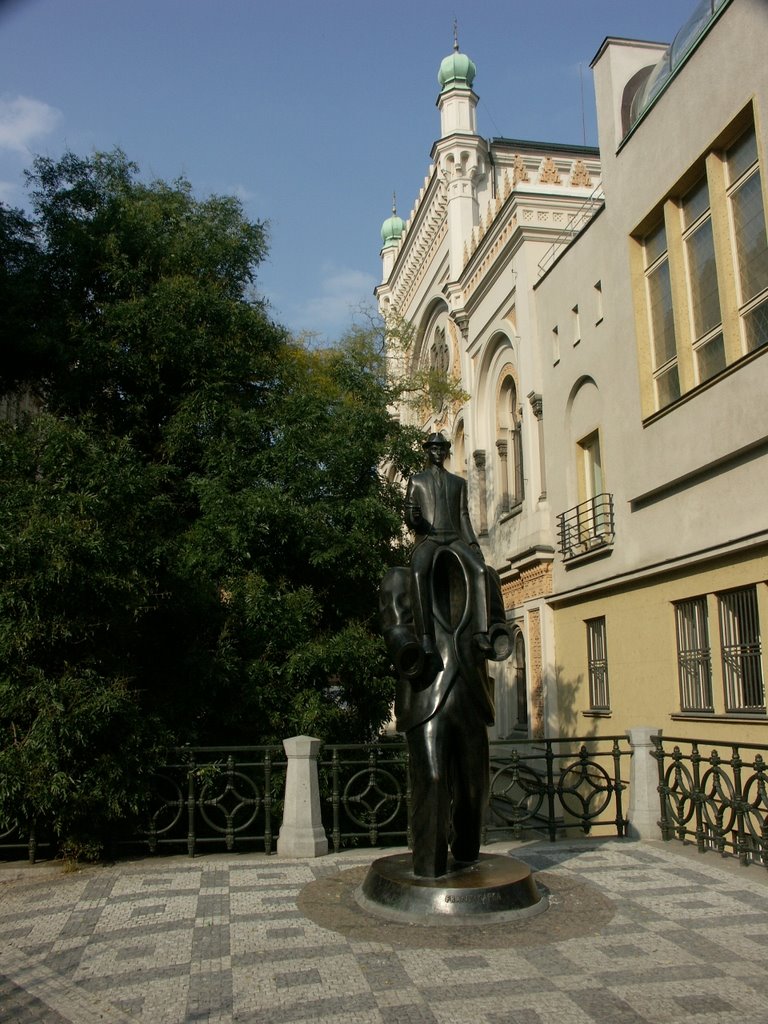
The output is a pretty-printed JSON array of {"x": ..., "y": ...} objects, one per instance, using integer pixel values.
[{"x": 537, "y": 404}]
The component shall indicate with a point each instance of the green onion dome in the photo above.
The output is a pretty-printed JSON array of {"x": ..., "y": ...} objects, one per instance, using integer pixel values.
[
  {"x": 456, "y": 72},
  {"x": 392, "y": 230}
]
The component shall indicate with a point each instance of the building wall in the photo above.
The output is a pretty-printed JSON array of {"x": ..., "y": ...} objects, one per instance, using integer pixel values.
[
  {"x": 688, "y": 479},
  {"x": 537, "y": 277}
]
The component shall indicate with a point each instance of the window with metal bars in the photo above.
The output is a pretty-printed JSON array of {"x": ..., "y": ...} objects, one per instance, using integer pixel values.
[
  {"x": 741, "y": 650},
  {"x": 694, "y": 659},
  {"x": 597, "y": 663}
]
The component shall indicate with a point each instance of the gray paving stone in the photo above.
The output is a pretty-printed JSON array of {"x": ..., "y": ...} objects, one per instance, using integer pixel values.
[
  {"x": 295, "y": 979},
  {"x": 523, "y": 1016},
  {"x": 704, "y": 1004},
  {"x": 212, "y": 905},
  {"x": 699, "y": 946},
  {"x": 309, "y": 1010},
  {"x": 602, "y": 1004},
  {"x": 145, "y": 911},
  {"x": 16, "y": 1004},
  {"x": 157, "y": 942},
  {"x": 465, "y": 963},
  {"x": 210, "y": 942},
  {"x": 209, "y": 994},
  {"x": 215, "y": 878},
  {"x": 383, "y": 971},
  {"x": 284, "y": 933},
  {"x": 7, "y": 934},
  {"x": 142, "y": 952},
  {"x": 409, "y": 1013}
]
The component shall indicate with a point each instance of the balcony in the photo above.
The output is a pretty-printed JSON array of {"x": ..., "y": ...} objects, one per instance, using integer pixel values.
[{"x": 586, "y": 530}]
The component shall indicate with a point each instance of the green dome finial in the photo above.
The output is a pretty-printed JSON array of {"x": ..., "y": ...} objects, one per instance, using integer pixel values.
[
  {"x": 392, "y": 228},
  {"x": 456, "y": 71}
]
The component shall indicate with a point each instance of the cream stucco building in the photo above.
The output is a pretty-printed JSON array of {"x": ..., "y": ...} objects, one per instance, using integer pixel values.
[{"x": 606, "y": 311}]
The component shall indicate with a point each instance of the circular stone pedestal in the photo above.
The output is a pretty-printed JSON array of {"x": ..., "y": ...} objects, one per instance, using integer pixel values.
[{"x": 493, "y": 889}]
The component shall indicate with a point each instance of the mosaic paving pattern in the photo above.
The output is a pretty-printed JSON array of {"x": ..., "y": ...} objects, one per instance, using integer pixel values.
[{"x": 223, "y": 939}]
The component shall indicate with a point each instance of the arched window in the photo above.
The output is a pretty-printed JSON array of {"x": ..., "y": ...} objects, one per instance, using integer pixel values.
[
  {"x": 520, "y": 679},
  {"x": 632, "y": 89},
  {"x": 439, "y": 353},
  {"x": 459, "y": 453},
  {"x": 509, "y": 448}
]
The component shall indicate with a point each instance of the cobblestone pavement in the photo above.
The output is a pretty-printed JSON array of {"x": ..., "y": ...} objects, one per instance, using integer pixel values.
[{"x": 671, "y": 936}]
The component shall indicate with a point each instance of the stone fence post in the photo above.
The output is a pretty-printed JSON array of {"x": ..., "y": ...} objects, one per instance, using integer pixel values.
[
  {"x": 302, "y": 833},
  {"x": 644, "y": 808}
]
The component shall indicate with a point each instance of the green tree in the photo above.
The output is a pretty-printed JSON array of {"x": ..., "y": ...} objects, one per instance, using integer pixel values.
[{"x": 195, "y": 527}]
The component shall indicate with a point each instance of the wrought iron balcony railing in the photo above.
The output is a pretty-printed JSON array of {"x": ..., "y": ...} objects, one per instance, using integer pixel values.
[{"x": 587, "y": 527}]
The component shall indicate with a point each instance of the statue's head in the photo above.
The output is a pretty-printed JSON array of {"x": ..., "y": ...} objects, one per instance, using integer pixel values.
[
  {"x": 437, "y": 447},
  {"x": 437, "y": 439}
]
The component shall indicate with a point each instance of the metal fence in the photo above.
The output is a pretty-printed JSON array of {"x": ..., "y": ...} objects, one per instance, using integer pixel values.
[
  {"x": 718, "y": 801},
  {"x": 221, "y": 797},
  {"x": 365, "y": 794},
  {"x": 536, "y": 787},
  {"x": 550, "y": 786},
  {"x": 230, "y": 798}
]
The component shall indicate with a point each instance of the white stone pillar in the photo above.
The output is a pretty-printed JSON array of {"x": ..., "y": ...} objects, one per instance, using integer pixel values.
[
  {"x": 302, "y": 833},
  {"x": 644, "y": 808}
]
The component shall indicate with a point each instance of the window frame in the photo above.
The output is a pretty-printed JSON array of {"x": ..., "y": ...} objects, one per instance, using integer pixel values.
[
  {"x": 694, "y": 655},
  {"x": 742, "y": 659},
  {"x": 748, "y": 305},
  {"x": 656, "y": 264},
  {"x": 597, "y": 665},
  {"x": 701, "y": 338}
]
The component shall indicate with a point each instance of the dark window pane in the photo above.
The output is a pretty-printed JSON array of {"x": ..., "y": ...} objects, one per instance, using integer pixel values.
[
  {"x": 703, "y": 276},
  {"x": 751, "y": 244}
]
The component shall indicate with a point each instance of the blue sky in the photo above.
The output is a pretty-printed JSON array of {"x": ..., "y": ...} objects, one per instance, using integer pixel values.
[{"x": 313, "y": 113}]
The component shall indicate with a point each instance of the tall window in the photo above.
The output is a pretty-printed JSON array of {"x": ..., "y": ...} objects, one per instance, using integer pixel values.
[
  {"x": 459, "y": 454},
  {"x": 694, "y": 662},
  {"x": 439, "y": 353},
  {"x": 741, "y": 650},
  {"x": 593, "y": 509},
  {"x": 707, "y": 330},
  {"x": 748, "y": 219},
  {"x": 659, "y": 292},
  {"x": 597, "y": 665},
  {"x": 509, "y": 448},
  {"x": 521, "y": 685}
]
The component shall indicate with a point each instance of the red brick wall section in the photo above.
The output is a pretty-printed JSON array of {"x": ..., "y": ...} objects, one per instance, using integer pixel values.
[
  {"x": 530, "y": 584},
  {"x": 535, "y": 674}
]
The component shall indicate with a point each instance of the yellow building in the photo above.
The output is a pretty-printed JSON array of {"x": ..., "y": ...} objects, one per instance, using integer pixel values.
[{"x": 607, "y": 312}]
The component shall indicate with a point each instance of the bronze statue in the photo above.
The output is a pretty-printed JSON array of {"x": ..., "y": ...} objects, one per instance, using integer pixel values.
[{"x": 442, "y": 620}]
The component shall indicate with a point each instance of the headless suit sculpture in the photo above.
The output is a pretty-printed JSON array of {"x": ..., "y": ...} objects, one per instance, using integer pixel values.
[{"x": 443, "y": 620}]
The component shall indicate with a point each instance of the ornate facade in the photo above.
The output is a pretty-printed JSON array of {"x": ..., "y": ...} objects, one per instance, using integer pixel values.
[{"x": 461, "y": 271}]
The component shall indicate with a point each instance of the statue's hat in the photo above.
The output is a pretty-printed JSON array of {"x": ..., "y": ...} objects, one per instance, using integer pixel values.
[{"x": 436, "y": 439}]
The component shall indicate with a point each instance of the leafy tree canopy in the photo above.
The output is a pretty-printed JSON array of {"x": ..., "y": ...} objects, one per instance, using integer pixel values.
[{"x": 194, "y": 523}]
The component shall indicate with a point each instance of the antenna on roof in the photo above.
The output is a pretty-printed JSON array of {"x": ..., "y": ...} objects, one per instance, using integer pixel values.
[{"x": 583, "y": 119}]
